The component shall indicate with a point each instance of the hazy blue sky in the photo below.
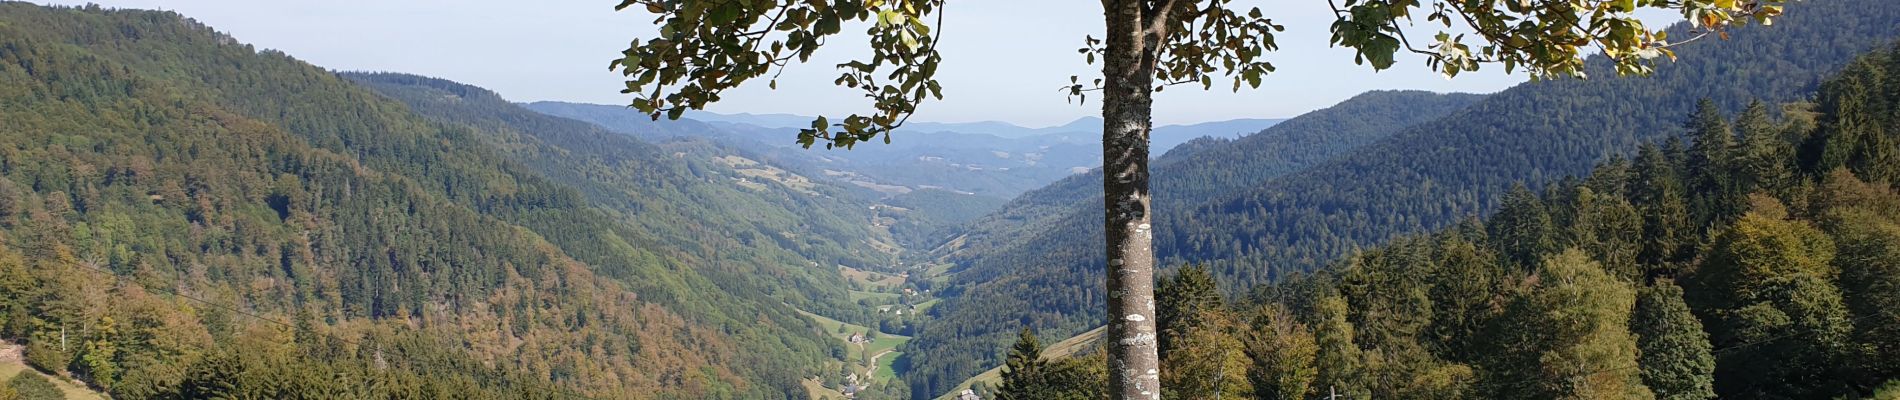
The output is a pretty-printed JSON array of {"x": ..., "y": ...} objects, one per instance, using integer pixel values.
[{"x": 1004, "y": 59}]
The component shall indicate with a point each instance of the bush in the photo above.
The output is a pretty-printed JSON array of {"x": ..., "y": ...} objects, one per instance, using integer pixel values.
[
  {"x": 33, "y": 386},
  {"x": 1889, "y": 391},
  {"x": 47, "y": 357}
]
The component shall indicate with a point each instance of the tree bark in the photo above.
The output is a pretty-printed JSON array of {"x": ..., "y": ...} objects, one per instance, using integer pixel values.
[{"x": 1128, "y": 78}]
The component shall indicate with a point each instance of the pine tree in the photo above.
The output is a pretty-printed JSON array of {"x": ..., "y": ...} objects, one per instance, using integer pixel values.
[
  {"x": 1610, "y": 230},
  {"x": 1023, "y": 370},
  {"x": 1611, "y": 177},
  {"x": 1659, "y": 192},
  {"x": 1182, "y": 302},
  {"x": 1709, "y": 164},
  {"x": 1462, "y": 295},
  {"x": 1523, "y": 229},
  {"x": 1763, "y": 157},
  {"x": 1676, "y": 363},
  {"x": 1854, "y": 133},
  {"x": 217, "y": 376}
]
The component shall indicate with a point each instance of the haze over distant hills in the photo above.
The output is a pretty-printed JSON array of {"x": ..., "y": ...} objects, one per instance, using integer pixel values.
[
  {"x": 1163, "y": 138},
  {"x": 1081, "y": 130},
  {"x": 993, "y": 159}
]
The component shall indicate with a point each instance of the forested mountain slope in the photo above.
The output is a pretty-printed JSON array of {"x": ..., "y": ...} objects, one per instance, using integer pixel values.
[
  {"x": 929, "y": 215},
  {"x": 1197, "y": 170},
  {"x": 1436, "y": 173},
  {"x": 172, "y": 196},
  {"x": 1758, "y": 260},
  {"x": 1062, "y": 222},
  {"x": 1426, "y": 176},
  {"x": 751, "y": 233}
]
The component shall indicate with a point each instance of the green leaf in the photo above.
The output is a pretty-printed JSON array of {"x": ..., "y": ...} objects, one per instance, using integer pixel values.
[
  {"x": 827, "y": 24},
  {"x": 910, "y": 41},
  {"x": 725, "y": 13},
  {"x": 889, "y": 18}
]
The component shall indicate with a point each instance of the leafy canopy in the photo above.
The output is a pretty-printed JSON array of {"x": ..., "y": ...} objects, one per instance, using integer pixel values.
[
  {"x": 707, "y": 46},
  {"x": 1546, "y": 38}
]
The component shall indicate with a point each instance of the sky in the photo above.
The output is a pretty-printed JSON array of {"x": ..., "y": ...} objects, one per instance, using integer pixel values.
[{"x": 1004, "y": 60}]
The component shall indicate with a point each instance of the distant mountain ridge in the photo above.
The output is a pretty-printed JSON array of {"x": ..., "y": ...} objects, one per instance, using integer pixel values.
[
  {"x": 994, "y": 128},
  {"x": 993, "y": 159},
  {"x": 1081, "y": 130}
]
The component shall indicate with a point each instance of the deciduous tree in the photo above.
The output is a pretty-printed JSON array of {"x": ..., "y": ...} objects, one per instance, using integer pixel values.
[
  {"x": 1338, "y": 358},
  {"x": 706, "y": 47},
  {"x": 1283, "y": 352},
  {"x": 1573, "y": 336},
  {"x": 1768, "y": 277}
]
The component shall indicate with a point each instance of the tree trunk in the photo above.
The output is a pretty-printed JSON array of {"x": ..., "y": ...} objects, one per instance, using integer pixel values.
[{"x": 1128, "y": 78}]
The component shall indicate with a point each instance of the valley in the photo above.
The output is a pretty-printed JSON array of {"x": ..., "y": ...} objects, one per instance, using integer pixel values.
[{"x": 270, "y": 226}]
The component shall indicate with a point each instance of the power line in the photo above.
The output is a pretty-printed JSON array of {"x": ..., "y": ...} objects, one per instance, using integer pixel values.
[{"x": 502, "y": 375}]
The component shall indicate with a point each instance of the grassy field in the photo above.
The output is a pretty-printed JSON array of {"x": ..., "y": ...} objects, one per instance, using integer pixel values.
[
  {"x": 886, "y": 280},
  {"x": 831, "y": 325},
  {"x": 73, "y": 392},
  {"x": 817, "y": 390},
  {"x": 938, "y": 269},
  {"x": 1059, "y": 350},
  {"x": 883, "y": 341},
  {"x": 938, "y": 274},
  {"x": 886, "y": 368},
  {"x": 881, "y": 297},
  {"x": 755, "y": 170},
  {"x": 925, "y": 306},
  {"x": 855, "y": 357}
]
